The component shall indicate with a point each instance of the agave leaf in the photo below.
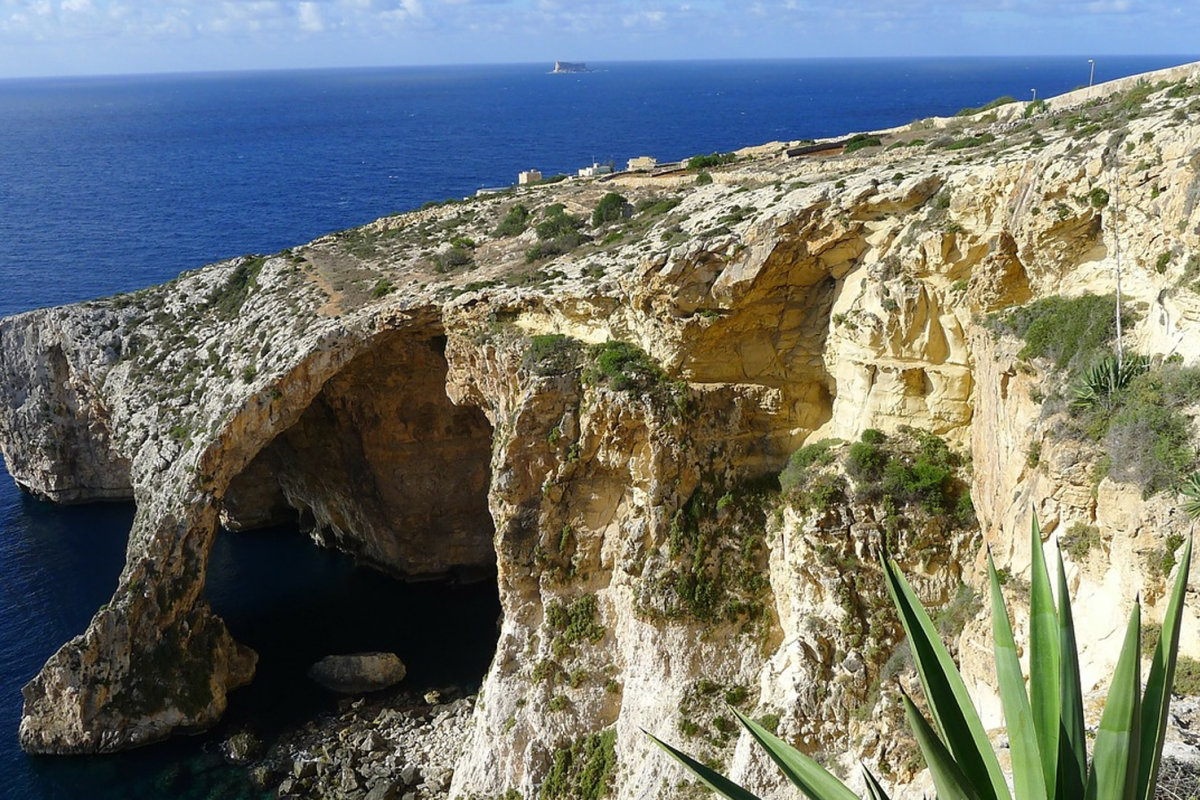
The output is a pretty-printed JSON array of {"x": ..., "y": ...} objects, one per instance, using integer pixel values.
[
  {"x": 948, "y": 779},
  {"x": 1028, "y": 780},
  {"x": 1191, "y": 490},
  {"x": 1157, "y": 700},
  {"x": 1072, "y": 742},
  {"x": 1043, "y": 663},
  {"x": 950, "y": 704},
  {"x": 873, "y": 786},
  {"x": 809, "y": 776},
  {"x": 709, "y": 777},
  {"x": 1114, "y": 772}
]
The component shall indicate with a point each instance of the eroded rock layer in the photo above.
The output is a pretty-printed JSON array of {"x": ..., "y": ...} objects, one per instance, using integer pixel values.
[{"x": 436, "y": 393}]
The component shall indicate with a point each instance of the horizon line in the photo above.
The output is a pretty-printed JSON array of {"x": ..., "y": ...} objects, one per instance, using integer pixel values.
[{"x": 1188, "y": 58}]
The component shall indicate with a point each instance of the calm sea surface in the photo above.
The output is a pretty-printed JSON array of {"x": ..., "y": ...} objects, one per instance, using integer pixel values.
[{"x": 111, "y": 184}]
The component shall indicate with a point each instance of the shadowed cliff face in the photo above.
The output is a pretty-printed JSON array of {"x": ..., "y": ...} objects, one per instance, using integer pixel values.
[{"x": 381, "y": 465}]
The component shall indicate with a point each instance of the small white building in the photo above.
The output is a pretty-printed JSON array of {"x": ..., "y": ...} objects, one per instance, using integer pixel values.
[
  {"x": 642, "y": 163},
  {"x": 596, "y": 170},
  {"x": 528, "y": 176}
]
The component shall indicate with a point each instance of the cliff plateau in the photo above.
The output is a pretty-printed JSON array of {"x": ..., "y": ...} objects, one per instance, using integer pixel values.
[{"x": 472, "y": 390}]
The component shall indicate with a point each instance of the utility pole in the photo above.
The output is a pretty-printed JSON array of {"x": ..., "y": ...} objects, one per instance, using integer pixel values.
[
  {"x": 1116, "y": 198},
  {"x": 1092, "y": 74}
]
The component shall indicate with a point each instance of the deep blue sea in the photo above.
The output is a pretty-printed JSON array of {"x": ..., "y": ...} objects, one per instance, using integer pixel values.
[{"x": 111, "y": 184}]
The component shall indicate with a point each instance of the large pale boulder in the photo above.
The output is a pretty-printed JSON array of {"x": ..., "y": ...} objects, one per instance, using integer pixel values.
[{"x": 358, "y": 672}]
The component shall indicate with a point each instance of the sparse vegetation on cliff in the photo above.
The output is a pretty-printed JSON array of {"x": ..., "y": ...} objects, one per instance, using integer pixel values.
[
  {"x": 1049, "y": 757},
  {"x": 582, "y": 770},
  {"x": 714, "y": 568}
]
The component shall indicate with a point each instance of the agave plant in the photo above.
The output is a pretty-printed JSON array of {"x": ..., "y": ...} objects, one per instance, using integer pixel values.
[
  {"x": 1101, "y": 384},
  {"x": 1191, "y": 490},
  {"x": 1045, "y": 727}
]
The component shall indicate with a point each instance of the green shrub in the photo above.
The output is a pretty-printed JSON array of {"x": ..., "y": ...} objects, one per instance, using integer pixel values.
[
  {"x": 704, "y": 179},
  {"x": 227, "y": 300},
  {"x": 1072, "y": 332},
  {"x": 611, "y": 208},
  {"x": 583, "y": 770},
  {"x": 624, "y": 367},
  {"x": 710, "y": 161},
  {"x": 558, "y": 233},
  {"x": 866, "y": 461},
  {"x": 818, "y": 454},
  {"x": 1187, "y": 677},
  {"x": 971, "y": 141},
  {"x": 453, "y": 258},
  {"x": 1079, "y": 540},
  {"x": 652, "y": 207},
  {"x": 382, "y": 288},
  {"x": 556, "y": 222},
  {"x": 1098, "y": 197},
  {"x": 860, "y": 141},
  {"x": 515, "y": 221},
  {"x": 1149, "y": 436},
  {"x": 553, "y": 354}
]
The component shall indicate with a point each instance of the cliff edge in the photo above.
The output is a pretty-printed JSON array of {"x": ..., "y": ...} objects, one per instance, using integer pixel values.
[{"x": 581, "y": 395}]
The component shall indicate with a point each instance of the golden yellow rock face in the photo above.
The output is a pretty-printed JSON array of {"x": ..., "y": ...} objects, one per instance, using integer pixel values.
[{"x": 421, "y": 392}]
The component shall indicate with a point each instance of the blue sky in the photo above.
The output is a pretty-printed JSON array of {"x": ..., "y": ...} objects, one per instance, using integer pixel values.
[{"x": 67, "y": 37}]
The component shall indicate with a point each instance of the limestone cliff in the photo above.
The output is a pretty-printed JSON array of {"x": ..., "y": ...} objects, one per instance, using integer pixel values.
[{"x": 434, "y": 393}]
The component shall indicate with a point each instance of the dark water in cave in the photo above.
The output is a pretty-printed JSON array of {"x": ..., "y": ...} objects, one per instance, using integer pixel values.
[{"x": 280, "y": 594}]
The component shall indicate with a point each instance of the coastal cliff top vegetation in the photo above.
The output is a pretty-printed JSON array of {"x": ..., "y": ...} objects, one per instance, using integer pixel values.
[{"x": 503, "y": 240}]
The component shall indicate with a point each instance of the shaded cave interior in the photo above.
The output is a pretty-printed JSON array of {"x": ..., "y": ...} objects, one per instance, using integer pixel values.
[{"x": 381, "y": 466}]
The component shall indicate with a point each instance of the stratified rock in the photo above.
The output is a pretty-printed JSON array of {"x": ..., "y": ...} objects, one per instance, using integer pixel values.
[
  {"x": 358, "y": 672},
  {"x": 436, "y": 422}
]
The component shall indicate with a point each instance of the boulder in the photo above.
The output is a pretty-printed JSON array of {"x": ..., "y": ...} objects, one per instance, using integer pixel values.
[{"x": 358, "y": 672}]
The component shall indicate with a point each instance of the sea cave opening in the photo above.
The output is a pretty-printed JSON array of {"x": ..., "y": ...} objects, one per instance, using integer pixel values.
[{"x": 391, "y": 479}]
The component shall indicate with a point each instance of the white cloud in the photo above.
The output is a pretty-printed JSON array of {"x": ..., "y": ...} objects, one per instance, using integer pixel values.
[{"x": 311, "y": 20}]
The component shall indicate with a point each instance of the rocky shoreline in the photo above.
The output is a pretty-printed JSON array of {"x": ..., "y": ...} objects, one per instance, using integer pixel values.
[{"x": 395, "y": 746}]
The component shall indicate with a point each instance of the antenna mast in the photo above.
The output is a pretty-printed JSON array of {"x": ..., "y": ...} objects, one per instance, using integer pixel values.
[{"x": 1116, "y": 196}]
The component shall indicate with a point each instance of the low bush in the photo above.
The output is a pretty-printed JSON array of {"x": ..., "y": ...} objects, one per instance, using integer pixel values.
[
  {"x": 860, "y": 141},
  {"x": 710, "y": 161},
  {"x": 453, "y": 258},
  {"x": 611, "y": 208},
  {"x": 558, "y": 233},
  {"x": 1072, "y": 332},
  {"x": 553, "y": 354},
  {"x": 1145, "y": 427},
  {"x": 818, "y": 454},
  {"x": 622, "y": 366},
  {"x": 654, "y": 207}
]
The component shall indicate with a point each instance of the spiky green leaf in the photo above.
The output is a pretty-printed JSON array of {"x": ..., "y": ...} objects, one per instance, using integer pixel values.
[
  {"x": 1072, "y": 742},
  {"x": 951, "y": 706},
  {"x": 1043, "y": 662},
  {"x": 1157, "y": 700},
  {"x": 873, "y": 786},
  {"x": 709, "y": 777},
  {"x": 1114, "y": 771},
  {"x": 949, "y": 780},
  {"x": 1028, "y": 781},
  {"x": 809, "y": 776}
]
